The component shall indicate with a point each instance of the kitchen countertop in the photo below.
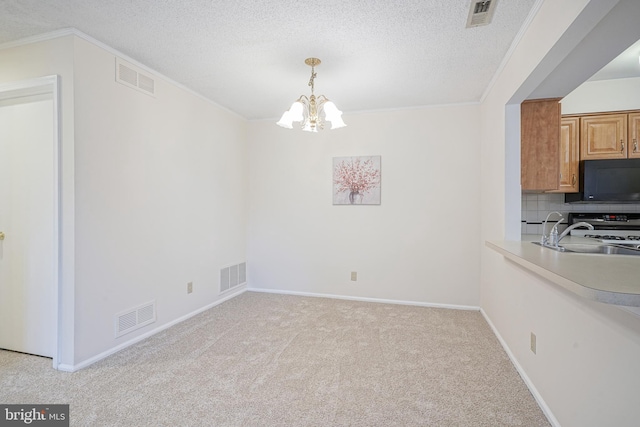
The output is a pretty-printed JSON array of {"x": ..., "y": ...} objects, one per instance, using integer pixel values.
[{"x": 612, "y": 279}]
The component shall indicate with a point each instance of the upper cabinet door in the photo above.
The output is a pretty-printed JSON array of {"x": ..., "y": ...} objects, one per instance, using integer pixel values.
[
  {"x": 569, "y": 155},
  {"x": 540, "y": 145},
  {"x": 634, "y": 135},
  {"x": 603, "y": 137}
]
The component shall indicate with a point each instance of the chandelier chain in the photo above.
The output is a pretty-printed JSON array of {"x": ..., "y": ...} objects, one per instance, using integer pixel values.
[{"x": 313, "y": 77}]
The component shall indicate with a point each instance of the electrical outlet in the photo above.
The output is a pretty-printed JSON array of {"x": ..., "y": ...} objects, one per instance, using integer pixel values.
[
  {"x": 533, "y": 343},
  {"x": 189, "y": 287},
  {"x": 354, "y": 276}
]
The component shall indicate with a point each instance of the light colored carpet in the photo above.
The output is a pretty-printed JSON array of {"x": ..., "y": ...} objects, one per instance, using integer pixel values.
[{"x": 277, "y": 360}]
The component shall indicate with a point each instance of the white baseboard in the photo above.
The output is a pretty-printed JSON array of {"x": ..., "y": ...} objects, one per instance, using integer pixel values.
[
  {"x": 113, "y": 350},
  {"x": 543, "y": 405},
  {"x": 364, "y": 299}
]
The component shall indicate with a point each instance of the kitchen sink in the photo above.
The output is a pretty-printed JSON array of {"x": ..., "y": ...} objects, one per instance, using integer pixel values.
[
  {"x": 601, "y": 249},
  {"x": 586, "y": 248}
]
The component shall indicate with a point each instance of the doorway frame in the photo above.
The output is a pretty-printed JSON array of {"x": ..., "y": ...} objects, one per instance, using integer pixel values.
[{"x": 39, "y": 86}]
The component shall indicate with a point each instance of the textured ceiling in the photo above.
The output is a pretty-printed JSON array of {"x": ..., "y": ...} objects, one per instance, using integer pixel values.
[{"x": 248, "y": 55}]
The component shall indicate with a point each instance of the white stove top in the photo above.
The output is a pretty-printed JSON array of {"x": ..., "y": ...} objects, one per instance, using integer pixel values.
[{"x": 624, "y": 237}]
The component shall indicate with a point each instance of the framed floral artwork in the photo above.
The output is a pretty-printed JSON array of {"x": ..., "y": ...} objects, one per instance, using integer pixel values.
[{"x": 356, "y": 180}]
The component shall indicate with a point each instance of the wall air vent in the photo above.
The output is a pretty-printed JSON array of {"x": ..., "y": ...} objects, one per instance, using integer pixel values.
[
  {"x": 232, "y": 276},
  {"x": 135, "y": 318},
  {"x": 481, "y": 12},
  {"x": 135, "y": 78}
]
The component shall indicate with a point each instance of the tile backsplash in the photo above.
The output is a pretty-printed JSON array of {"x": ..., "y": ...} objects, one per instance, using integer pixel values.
[{"x": 536, "y": 207}]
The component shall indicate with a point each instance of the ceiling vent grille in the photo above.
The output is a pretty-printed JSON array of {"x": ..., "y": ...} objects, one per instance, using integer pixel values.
[
  {"x": 135, "y": 318},
  {"x": 481, "y": 12},
  {"x": 133, "y": 77}
]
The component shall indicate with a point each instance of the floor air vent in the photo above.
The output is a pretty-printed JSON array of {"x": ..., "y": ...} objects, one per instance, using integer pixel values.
[
  {"x": 481, "y": 12},
  {"x": 135, "y": 318},
  {"x": 233, "y": 276},
  {"x": 133, "y": 77}
]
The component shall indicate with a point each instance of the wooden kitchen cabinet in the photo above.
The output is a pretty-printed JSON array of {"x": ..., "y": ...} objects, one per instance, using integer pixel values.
[
  {"x": 633, "y": 150},
  {"x": 603, "y": 137},
  {"x": 569, "y": 155},
  {"x": 540, "y": 144}
]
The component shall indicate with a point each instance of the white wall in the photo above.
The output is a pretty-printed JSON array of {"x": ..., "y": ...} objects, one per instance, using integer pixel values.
[
  {"x": 160, "y": 199},
  {"x": 55, "y": 57},
  {"x": 416, "y": 246},
  {"x": 153, "y": 194},
  {"x": 586, "y": 368},
  {"x": 603, "y": 95}
]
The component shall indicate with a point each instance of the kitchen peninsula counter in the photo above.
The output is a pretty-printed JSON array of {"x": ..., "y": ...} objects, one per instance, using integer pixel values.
[{"x": 611, "y": 279}]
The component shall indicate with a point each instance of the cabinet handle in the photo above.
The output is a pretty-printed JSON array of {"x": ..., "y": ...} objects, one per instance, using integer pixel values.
[
  {"x": 622, "y": 143},
  {"x": 573, "y": 180},
  {"x": 635, "y": 145}
]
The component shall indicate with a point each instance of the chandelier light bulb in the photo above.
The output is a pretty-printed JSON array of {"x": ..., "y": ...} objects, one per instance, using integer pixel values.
[
  {"x": 296, "y": 111},
  {"x": 285, "y": 120}
]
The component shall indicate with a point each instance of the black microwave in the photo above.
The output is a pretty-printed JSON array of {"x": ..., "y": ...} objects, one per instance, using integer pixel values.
[{"x": 608, "y": 181}]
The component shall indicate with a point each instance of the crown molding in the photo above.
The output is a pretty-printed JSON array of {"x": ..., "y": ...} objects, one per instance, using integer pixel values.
[{"x": 38, "y": 38}]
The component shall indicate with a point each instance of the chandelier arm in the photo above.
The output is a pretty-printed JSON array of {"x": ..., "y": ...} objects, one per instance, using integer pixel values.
[
  {"x": 320, "y": 101},
  {"x": 303, "y": 99}
]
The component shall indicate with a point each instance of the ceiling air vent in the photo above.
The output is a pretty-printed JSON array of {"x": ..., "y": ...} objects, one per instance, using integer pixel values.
[
  {"x": 133, "y": 77},
  {"x": 481, "y": 12}
]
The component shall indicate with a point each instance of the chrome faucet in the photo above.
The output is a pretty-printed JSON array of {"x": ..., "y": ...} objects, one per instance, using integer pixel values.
[
  {"x": 552, "y": 238},
  {"x": 572, "y": 226}
]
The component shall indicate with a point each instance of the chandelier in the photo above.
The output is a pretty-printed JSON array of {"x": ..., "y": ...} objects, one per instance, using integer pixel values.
[{"x": 310, "y": 111}]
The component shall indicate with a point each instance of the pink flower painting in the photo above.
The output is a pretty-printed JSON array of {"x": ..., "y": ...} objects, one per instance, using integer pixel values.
[{"x": 356, "y": 180}]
